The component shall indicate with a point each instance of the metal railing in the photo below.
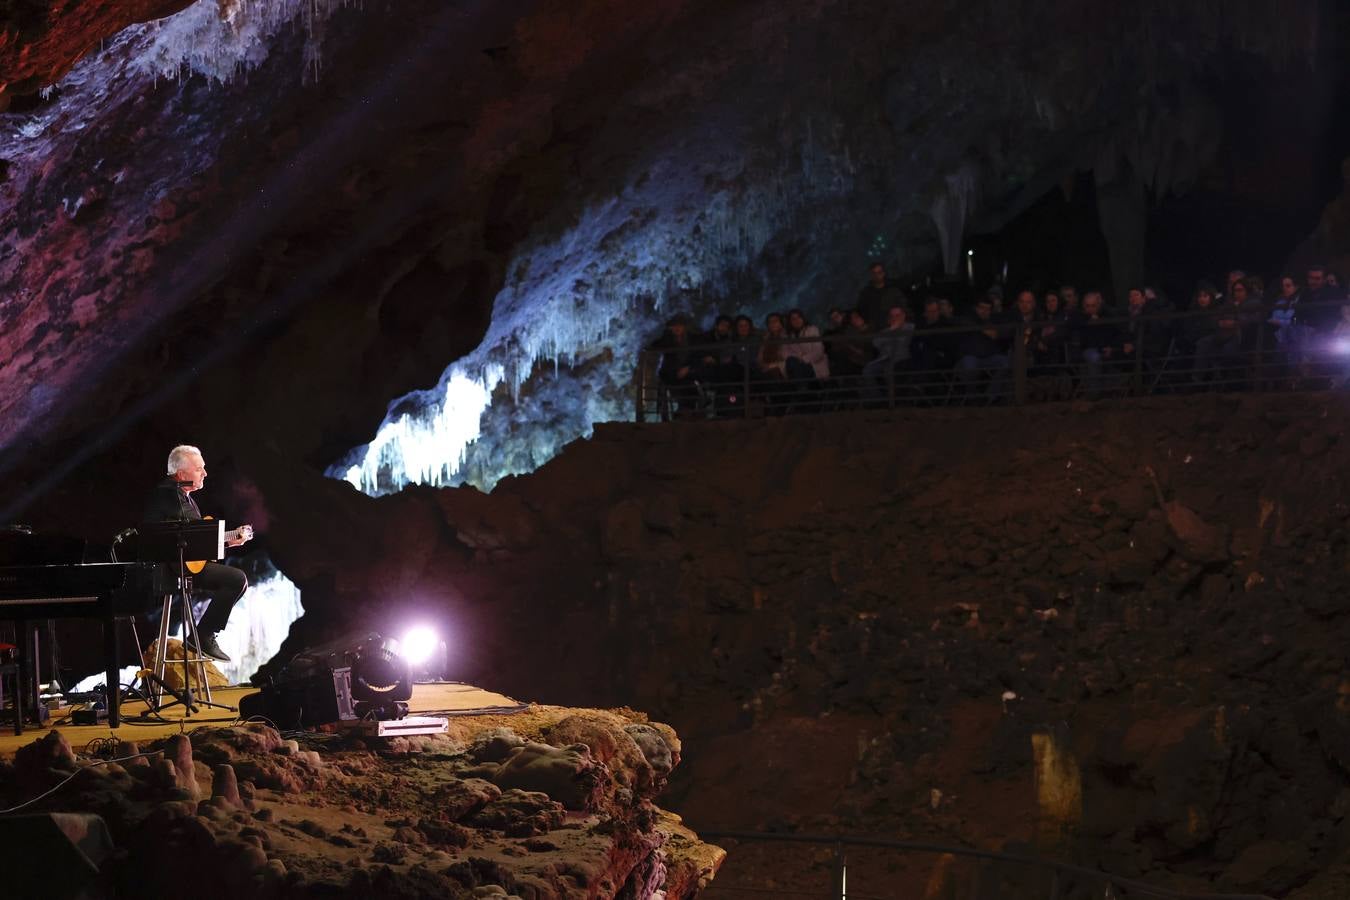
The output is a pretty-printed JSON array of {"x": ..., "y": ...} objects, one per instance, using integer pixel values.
[
  {"x": 1156, "y": 353},
  {"x": 1061, "y": 876}
]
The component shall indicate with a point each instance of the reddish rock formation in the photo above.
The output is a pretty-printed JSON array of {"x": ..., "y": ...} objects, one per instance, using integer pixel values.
[
  {"x": 39, "y": 42},
  {"x": 410, "y": 818}
]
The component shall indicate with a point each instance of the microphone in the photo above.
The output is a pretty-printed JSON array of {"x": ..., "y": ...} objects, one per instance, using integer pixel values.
[{"x": 187, "y": 483}]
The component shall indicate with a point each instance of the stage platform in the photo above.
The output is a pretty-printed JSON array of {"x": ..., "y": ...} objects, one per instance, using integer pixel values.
[{"x": 440, "y": 698}]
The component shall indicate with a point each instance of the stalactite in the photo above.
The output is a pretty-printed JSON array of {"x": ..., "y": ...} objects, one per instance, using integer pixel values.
[
  {"x": 650, "y": 246},
  {"x": 951, "y": 210},
  {"x": 221, "y": 40},
  {"x": 1122, "y": 216}
]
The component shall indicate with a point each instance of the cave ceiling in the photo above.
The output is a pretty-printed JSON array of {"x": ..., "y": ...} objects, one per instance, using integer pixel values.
[{"x": 422, "y": 241}]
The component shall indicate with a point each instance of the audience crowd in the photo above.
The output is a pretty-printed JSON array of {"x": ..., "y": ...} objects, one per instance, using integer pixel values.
[{"x": 887, "y": 344}]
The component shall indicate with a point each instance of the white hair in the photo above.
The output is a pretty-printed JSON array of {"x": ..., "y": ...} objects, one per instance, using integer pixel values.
[{"x": 178, "y": 455}]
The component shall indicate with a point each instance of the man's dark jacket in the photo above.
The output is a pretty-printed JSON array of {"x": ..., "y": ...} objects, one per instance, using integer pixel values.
[{"x": 169, "y": 504}]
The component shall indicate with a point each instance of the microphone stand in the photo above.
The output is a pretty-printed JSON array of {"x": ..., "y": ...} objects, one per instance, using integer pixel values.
[{"x": 185, "y": 696}]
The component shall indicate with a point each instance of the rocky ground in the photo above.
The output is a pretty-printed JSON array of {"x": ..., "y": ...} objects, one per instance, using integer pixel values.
[
  {"x": 549, "y": 803},
  {"x": 1110, "y": 633}
]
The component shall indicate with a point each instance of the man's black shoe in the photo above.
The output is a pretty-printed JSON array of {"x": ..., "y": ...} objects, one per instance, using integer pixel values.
[{"x": 212, "y": 649}]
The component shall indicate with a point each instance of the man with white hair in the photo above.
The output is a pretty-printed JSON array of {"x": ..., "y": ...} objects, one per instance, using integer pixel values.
[{"x": 171, "y": 501}]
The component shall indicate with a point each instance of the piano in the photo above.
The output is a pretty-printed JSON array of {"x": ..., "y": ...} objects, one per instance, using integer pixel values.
[
  {"x": 104, "y": 591},
  {"x": 83, "y": 590}
]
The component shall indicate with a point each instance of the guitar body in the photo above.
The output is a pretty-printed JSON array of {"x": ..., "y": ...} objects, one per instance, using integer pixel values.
[
  {"x": 243, "y": 533},
  {"x": 195, "y": 566}
]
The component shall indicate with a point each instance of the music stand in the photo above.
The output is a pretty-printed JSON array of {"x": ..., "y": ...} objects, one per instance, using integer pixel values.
[{"x": 174, "y": 543}]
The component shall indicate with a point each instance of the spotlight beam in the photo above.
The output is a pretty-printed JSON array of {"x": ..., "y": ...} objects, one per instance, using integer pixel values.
[{"x": 419, "y": 645}]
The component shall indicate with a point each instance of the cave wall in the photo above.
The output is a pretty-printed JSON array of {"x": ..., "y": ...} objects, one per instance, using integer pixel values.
[
  {"x": 258, "y": 254},
  {"x": 40, "y": 42},
  {"x": 249, "y": 223}
]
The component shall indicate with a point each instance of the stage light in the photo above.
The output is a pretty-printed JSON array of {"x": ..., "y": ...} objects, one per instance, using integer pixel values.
[
  {"x": 419, "y": 644},
  {"x": 380, "y": 673},
  {"x": 425, "y": 653},
  {"x": 1341, "y": 347},
  {"x": 361, "y": 675}
]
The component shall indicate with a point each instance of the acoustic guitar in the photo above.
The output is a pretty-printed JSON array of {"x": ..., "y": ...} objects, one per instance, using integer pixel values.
[{"x": 242, "y": 535}]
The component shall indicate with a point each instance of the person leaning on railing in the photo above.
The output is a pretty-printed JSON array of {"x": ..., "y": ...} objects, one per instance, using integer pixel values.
[
  {"x": 721, "y": 339},
  {"x": 1026, "y": 321},
  {"x": 736, "y": 367},
  {"x": 1053, "y": 334},
  {"x": 933, "y": 352},
  {"x": 1099, "y": 342},
  {"x": 1317, "y": 309},
  {"x": 1280, "y": 325},
  {"x": 770, "y": 361},
  {"x": 1191, "y": 331},
  {"x": 745, "y": 344},
  {"x": 1223, "y": 342},
  {"x": 1069, "y": 295},
  {"x": 855, "y": 349},
  {"x": 1315, "y": 317},
  {"x": 806, "y": 359},
  {"x": 722, "y": 366},
  {"x": 1153, "y": 337},
  {"x": 892, "y": 345},
  {"x": 983, "y": 349},
  {"x": 1246, "y": 297},
  {"x": 685, "y": 366}
]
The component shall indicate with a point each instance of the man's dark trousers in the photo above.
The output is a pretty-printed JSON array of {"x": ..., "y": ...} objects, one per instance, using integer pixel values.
[{"x": 224, "y": 585}]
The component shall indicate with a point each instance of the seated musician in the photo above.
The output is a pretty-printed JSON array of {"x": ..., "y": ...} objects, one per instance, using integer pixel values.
[{"x": 171, "y": 501}]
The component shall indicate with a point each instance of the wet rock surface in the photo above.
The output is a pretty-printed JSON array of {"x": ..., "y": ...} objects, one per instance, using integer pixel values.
[{"x": 346, "y": 817}]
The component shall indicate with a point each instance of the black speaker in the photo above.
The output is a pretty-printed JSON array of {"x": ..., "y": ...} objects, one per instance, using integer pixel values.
[
  {"x": 357, "y": 676},
  {"x": 319, "y": 699}
]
